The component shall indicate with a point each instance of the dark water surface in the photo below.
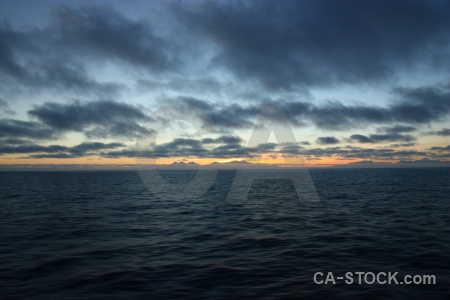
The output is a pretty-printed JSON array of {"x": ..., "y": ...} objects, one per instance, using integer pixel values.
[{"x": 104, "y": 235}]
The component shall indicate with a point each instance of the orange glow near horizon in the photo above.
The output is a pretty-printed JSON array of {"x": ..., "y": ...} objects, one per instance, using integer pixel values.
[{"x": 268, "y": 159}]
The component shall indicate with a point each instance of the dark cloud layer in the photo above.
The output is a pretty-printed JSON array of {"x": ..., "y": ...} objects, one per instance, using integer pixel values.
[
  {"x": 10, "y": 128},
  {"x": 96, "y": 119},
  {"x": 275, "y": 49},
  {"x": 421, "y": 105},
  {"x": 365, "y": 153},
  {"x": 440, "y": 148},
  {"x": 4, "y": 107},
  {"x": 31, "y": 60},
  {"x": 221, "y": 147},
  {"x": 281, "y": 45},
  {"x": 444, "y": 132},
  {"x": 397, "y": 129},
  {"x": 292, "y": 43},
  {"x": 106, "y": 33},
  {"x": 58, "y": 151},
  {"x": 411, "y": 106},
  {"x": 382, "y": 138},
  {"x": 327, "y": 140}
]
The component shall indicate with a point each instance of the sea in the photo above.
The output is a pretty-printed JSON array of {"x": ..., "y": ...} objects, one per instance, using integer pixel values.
[{"x": 108, "y": 235}]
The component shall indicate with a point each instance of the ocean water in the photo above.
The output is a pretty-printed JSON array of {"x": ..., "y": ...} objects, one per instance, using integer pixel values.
[{"x": 105, "y": 235}]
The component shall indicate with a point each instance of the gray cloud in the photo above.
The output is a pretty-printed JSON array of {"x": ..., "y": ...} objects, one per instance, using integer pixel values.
[
  {"x": 365, "y": 153},
  {"x": 291, "y": 149},
  {"x": 391, "y": 137},
  {"x": 337, "y": 116},
  {"x": 14, "y": 141},
  {"x": 444, "y": 132},
  {"x": 96, "y": 119},
  {"x": 30, "y": 61},
  {"x": 428, "y": 103},
  {"x": 52, "y": 155},
  {"x": 8, "y": 39},
  {"x": 381, "y": 138},
  {"x": 360, "y": 138},
  {"x": 227, "y": 139},
  {"x": 58, "y": 151},
  {"x": 221, "y": 147},
  {"x": 88, "y": 147},
  {"x": 402, "y": 145},
  {"x": 10, "y": 128},
  {"x": 397, "y": 129},
  {"x": 284, "y": 45},
  {"x": 219, "y": 115},
  {"x": 104, "y": 32},
  {"x": 421, "y": 105},
  {"x": 264, "y": 47},
  {"x": 4, "y": 107},
  {"x": 440, "y": 148},
  {"x": 31, "y": 149},
  {"x": 327, "y": 140},
  {"x": 33, "y": 58}
]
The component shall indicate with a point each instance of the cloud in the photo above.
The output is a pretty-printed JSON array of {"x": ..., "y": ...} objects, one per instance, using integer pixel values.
[
  {"x": 105, "y": 33},
  {"x": 362, "y": 153},
  {"x": 338, "y": 116},
  {"x": 360, "y": 138},
  {"x": 413, "y": 106},
  {"x": 88, "y": 147},
  {"x": 14, "y": 141},
  {"x": 52, "y": 155},
  {"x": 443, "y": 132},
  {"x": 219, "y": 115},
  {"x": 180, "y": 147},
  {"x": 381, "y": 138},
  {"x": 8, "y": 38},
  {"x": 58, "y": 151},
  {"x": 261, "y": 52},
  {"x": 31, "y": 149},
  {"x": 30, "y": 60},
  {"x": 4, "y": 107},
  {"x": 402, "y": 145},
  {"x": 281, "y": 46},
  {"x": 96, "y": 119},
  {"x": 397, "y": 129},
  {"x": 284, "y": 45},
  {"x": 327, "y": 140},
  {"x": 228, "y": 139},
  {"x": 291, "y": 149},
  {"x": 10, "y": 128},
  {"x": 293, "y": 45},
  {"x": 440, "y": 148},
  {"x": 421, "y": 105},
  {"x": 221, "y": 147}
]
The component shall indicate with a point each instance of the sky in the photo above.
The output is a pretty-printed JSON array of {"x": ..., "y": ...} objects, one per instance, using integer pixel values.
[{"x": 280, "y": 83}]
